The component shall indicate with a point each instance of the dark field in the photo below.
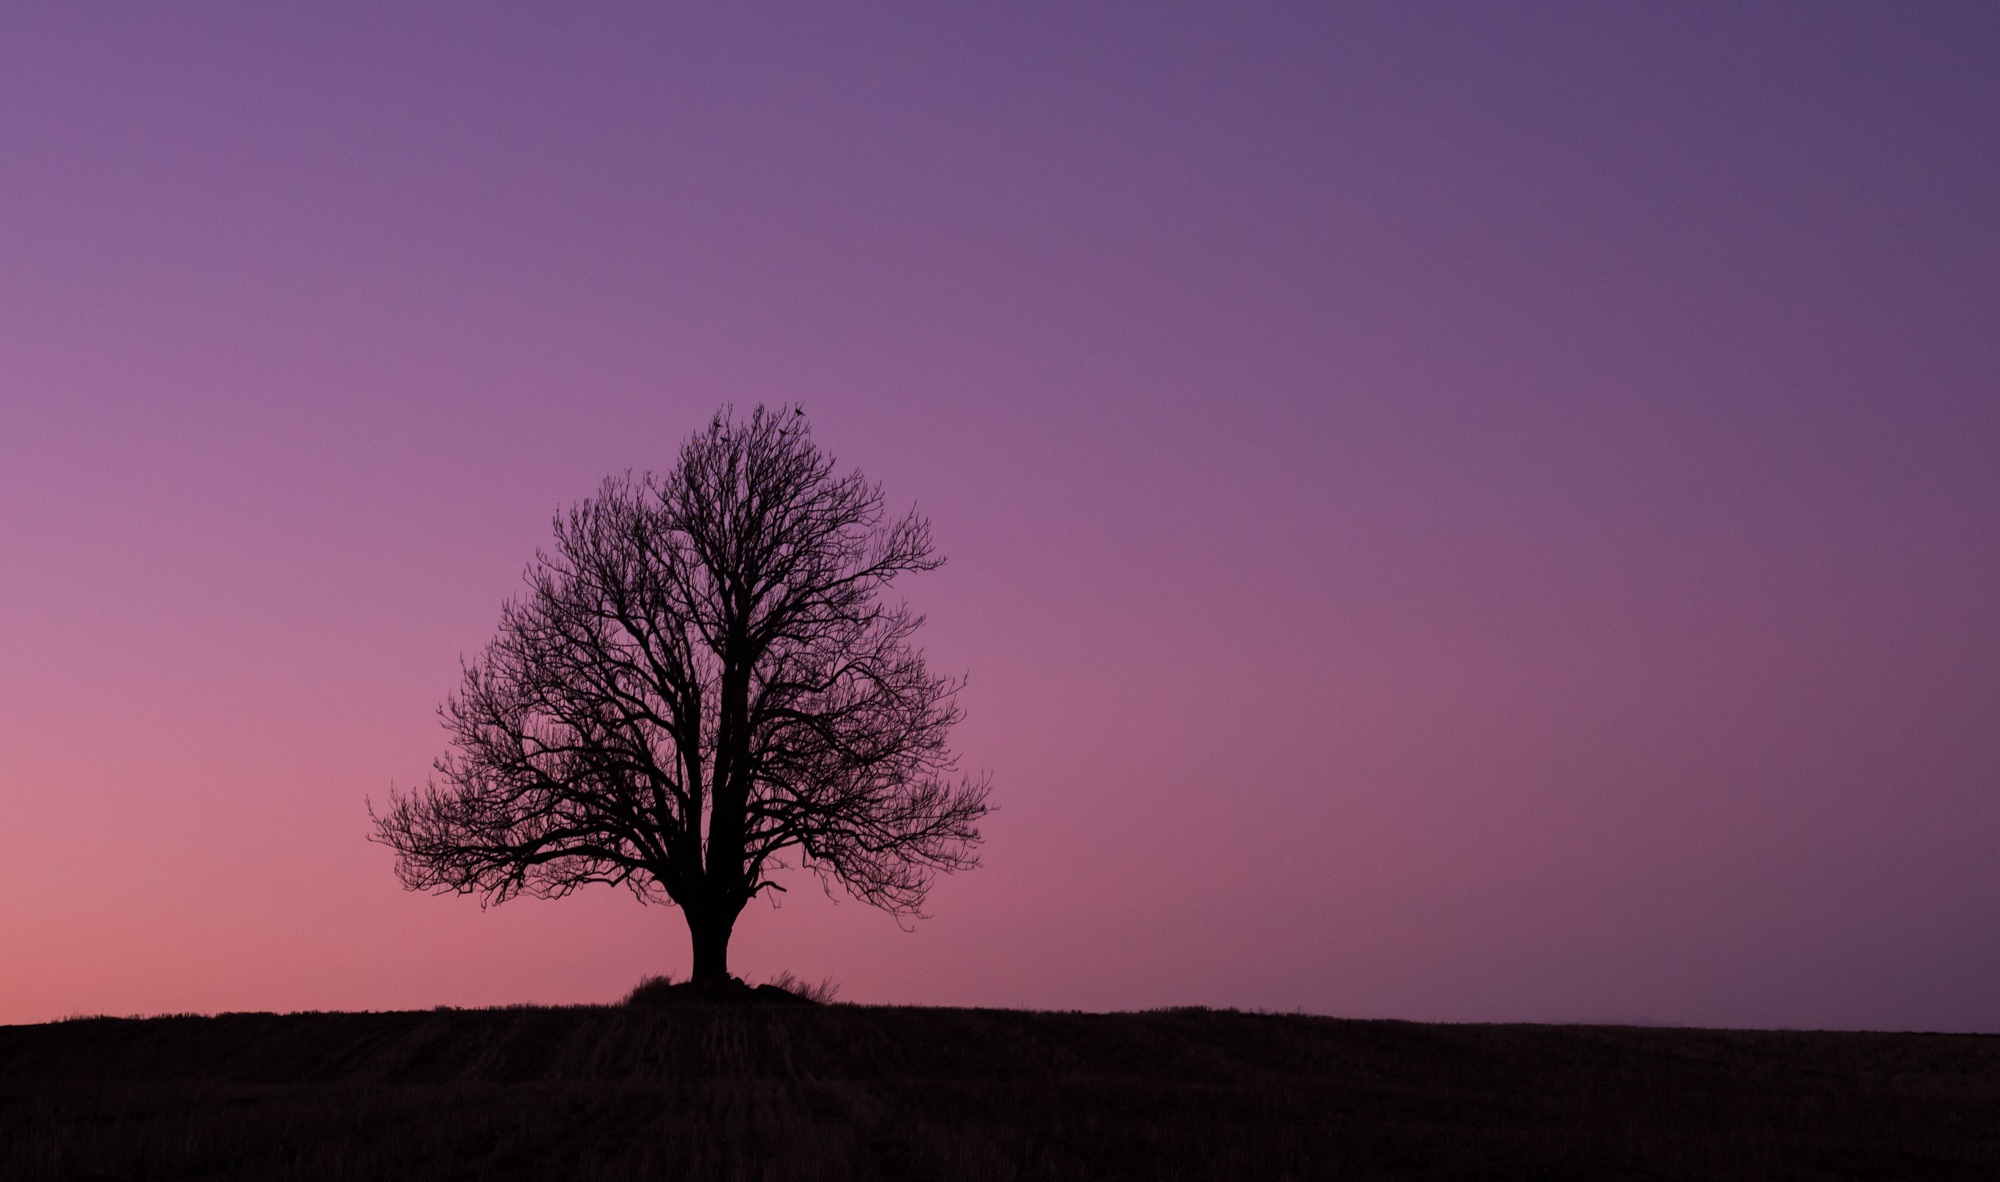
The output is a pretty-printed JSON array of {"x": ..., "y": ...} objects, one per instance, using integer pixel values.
[{"x": 851, "y": 1092}]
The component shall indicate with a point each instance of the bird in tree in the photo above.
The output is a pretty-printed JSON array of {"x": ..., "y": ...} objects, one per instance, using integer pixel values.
[{"x": 701, "y": 686}]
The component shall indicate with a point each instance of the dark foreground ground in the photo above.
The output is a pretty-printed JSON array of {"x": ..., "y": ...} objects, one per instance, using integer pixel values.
[{"x": 850, "y": 1092}]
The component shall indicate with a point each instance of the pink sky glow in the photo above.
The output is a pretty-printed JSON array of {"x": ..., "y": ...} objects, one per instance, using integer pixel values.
[{"x": 1454, "y": 512}]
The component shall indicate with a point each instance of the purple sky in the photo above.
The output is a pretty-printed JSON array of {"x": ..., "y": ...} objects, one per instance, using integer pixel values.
[{"x": 1453, "y": 514}]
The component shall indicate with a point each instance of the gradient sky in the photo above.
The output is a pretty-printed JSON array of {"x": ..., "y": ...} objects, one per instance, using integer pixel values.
[{"x": 1454, "y": 513}]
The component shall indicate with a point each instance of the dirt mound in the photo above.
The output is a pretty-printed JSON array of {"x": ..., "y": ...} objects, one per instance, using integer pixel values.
[{"x": 659, "y": 991}]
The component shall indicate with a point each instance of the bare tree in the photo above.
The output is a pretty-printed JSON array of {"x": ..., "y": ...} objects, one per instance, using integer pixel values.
[{"x": 701, "y": 683}]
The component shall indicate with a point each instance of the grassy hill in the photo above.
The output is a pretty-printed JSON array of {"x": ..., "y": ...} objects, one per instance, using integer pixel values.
[{"x": 856, "y": 1092}]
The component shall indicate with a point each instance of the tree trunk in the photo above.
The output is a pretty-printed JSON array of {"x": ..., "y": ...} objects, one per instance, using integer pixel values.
[{"x": 709, "y": 929}]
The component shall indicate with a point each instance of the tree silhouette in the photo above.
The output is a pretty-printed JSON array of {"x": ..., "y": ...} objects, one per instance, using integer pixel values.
[{"x": 701, "y": 683}]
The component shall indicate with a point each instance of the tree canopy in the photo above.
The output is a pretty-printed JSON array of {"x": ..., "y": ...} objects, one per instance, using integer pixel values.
[{"x": 703, "y": 684}]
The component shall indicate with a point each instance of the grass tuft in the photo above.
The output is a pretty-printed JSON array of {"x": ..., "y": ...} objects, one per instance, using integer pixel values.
[
  {"x": 823, "y": 992},
  {"x": 650, "y": 991}
]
